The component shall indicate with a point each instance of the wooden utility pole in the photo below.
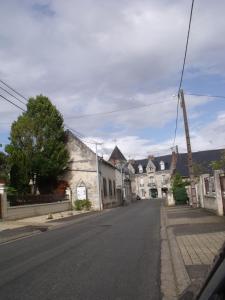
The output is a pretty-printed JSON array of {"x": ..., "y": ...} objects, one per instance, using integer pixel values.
[{"x": 189, "y": 152}]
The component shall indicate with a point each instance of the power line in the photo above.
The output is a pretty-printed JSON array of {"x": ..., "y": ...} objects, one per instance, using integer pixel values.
[
  {"x": 116, "y": 111},
  {"x": 177, "y": 116},
  {"x": 81, "y": 135},
  {"x": 182, "y": 71},
  {"x": 8, "y": 86},
  {"x": 12, "y": 103},
  {"x": 186, "y": 47},
  {"x": 12, "y": 95},
  {"x": 205, "y": 95}
]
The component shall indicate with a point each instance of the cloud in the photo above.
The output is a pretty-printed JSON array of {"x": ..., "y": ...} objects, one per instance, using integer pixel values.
[{"x": 95, "y": 56}]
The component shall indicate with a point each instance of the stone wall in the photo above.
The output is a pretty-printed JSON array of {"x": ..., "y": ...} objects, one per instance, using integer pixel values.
[{"x": 25, "y": 211}]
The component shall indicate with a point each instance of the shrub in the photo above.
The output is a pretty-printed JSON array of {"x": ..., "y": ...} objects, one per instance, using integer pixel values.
[
  {"x": 180, "y": 195},
  {"x": 179, "y": 190},
  {"x": 83, "y": 204}
]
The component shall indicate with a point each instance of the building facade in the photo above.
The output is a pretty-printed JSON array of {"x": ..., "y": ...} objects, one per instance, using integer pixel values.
[
  {"x": 85, "y": 180},
  {"x": 152, "y": 177},
  {"x": 145, "y": 178}
]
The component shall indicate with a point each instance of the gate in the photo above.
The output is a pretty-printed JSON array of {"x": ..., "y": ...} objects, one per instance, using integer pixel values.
[{"x": 222, "y": 184}]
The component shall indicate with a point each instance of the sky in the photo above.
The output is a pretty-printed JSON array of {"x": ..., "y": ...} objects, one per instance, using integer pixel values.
[{"x": 95, "y": 56}]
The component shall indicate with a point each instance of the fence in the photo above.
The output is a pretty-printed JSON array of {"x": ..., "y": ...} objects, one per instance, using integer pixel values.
[
  {"x": 16, "y": 200},
  {"x": 209, "y": 192},
  {"x": 30, "y": 205}
]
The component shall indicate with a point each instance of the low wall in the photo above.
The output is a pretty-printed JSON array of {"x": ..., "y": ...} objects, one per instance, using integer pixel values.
[
  {"x": 25, "y": 211},
  {"x": 210, "y": 202}
]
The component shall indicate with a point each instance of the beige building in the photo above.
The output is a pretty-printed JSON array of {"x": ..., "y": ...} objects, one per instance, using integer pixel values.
[
  {"x": 152, "y": 177},
  {"x": 146, "y": 178},
  {"x": 85, "y": 180}
]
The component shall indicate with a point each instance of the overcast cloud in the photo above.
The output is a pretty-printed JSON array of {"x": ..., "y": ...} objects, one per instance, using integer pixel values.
[{"x": 96, "y": 56}]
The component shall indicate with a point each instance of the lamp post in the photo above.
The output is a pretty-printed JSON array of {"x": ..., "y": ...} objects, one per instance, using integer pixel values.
[{"x": 98, "y": 181}]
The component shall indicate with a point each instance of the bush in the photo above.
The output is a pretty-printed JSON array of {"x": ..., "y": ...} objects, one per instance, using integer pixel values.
[
  {"x": 83, "y": 204},
  {"x": 180, "y": 195}
]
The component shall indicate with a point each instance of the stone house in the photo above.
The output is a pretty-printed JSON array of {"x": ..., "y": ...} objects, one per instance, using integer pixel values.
[
  {"x": 83, "y": 179},
  {"x": 146, "y": 178},
  {"x": 152, "y": 176}
]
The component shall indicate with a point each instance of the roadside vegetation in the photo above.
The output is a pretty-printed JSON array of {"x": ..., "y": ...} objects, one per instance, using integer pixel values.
[{"x": 36, "y": 154}]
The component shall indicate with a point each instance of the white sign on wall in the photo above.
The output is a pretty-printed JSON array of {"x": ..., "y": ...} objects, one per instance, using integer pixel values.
[{"x": 81, "y": 193}]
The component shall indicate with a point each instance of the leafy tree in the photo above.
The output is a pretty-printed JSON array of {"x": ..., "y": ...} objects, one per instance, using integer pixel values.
[
  {"x": 37, "y": 146},
  {"x": 4, "y": 168},
  {"x": 219, "y": 164},
  {"x": 179, "y": 190}
]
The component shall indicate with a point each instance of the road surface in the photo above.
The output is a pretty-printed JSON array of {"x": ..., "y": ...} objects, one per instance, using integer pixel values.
[{"x": 114, "y": 255}]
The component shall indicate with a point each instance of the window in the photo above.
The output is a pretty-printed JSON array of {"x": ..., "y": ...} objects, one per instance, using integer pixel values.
[
  {"x": 142, "y": 193},
  {"x": 206, "y": 181},
  {"x": 114, "y": 187},
  {"x": 110, "y": 188},
  {"x": 142, "y": 182},
  {"x": 162, "y": 165},
  {"x": 151, "y": 179},
  {"x": 140, "y": 169},
  {"x": 104, "y": 187}
]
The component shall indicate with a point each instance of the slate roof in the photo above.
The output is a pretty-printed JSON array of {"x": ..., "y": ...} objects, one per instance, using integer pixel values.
[
  {"x": 156, "y": 162},
  {"x": 204, "y": 158},
  {"x": 117, "y": 155}
]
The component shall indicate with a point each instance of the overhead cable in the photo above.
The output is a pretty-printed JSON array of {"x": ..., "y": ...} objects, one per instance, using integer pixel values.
[
  {"x": 182, "y": 71},
  {"x": 12, "y": 95},
  {"x": 116, "y": 111},
  {"x": 8, "y": 86},
  {"x": 12, "y": 102}
]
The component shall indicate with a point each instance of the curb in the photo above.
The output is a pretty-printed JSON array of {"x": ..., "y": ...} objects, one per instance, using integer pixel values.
[
  {"x": 167, "y": 276},
  {"x": 180, "y": 275}
]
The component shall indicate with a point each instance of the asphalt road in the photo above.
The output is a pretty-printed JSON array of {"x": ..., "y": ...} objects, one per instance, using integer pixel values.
[{"x": 114, "y": 255}]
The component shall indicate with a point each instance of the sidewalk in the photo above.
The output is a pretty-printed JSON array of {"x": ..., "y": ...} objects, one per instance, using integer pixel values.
[
  {"x": 191, "y": 238},
  {"x": 11, "y": 230}
]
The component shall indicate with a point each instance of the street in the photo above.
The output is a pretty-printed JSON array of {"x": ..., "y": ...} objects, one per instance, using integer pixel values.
[{"x": 114, "y": 255}]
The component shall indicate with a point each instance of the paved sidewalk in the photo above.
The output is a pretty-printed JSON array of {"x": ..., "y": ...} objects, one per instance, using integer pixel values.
[
  {"x": 11, "y": 230},
  {"x": 194, "y": 238}
]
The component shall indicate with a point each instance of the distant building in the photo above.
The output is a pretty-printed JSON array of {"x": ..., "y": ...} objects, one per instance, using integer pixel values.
[
  {"x": 152, "y": 176},
  {"x": 146, "y": 178}
]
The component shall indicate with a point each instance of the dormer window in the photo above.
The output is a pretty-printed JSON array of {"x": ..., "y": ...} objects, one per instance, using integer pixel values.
[
  {"x": 140, "y": 169},
  {"x": 162, "y": 165}
]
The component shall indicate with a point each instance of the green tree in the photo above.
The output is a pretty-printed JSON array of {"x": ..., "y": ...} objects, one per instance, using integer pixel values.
[
  {"x": 219, "y": 164},
  {"x": 37, "y": 147},
  {"x": 4, "y": 168},
  {"x": 179, "y": 190}
]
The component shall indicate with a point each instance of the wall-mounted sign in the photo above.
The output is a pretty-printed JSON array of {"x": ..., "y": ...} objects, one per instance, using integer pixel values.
[{"x": 81, "y": 193}]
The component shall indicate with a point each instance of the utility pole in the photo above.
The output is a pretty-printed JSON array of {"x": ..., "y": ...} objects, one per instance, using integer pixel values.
[
  {"x": 121, "y": 183},
  {"x": 98, "y": 181},
  {"x": 189, "y": 152}
]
